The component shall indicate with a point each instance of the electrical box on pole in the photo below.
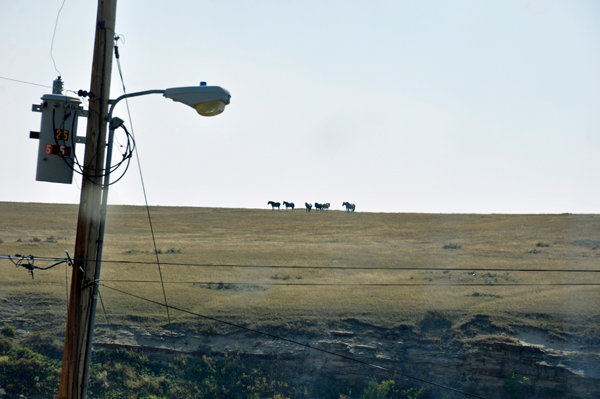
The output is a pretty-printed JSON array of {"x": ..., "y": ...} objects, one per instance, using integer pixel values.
[{"x": 57, "y": 135}]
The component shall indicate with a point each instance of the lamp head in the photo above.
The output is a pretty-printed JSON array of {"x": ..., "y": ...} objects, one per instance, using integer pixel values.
[{"x": 206, "y": 100}]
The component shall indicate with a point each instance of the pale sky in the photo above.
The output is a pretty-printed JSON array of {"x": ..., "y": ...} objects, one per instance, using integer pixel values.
[{"x": 396, "y": 106}]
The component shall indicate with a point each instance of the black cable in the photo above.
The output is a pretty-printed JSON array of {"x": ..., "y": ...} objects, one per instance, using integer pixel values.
[
  {"x": 142, "y": 181},
  {"x": 39, "y": 258},
  {"x": 72, "y": 133},
  {"x": 359, "y": 284},
  {"x": 67, "y": 285},
  {"x": 395, "y": 372},
  {"x": 103, "y": 308},
  {"x": 22, "y": 81},
  {"x": 393, "y": 268},
  {"x": 54, "y": 34},
  {"x": 27, "y": 263},
  {"x": 89, "y": 173},
  {"x": 126, "y": 155},
  {"x": 458, "y": 269}
]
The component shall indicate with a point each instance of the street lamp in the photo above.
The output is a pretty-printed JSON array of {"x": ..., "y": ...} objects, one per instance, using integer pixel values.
[{"x": 207, "y": 101}]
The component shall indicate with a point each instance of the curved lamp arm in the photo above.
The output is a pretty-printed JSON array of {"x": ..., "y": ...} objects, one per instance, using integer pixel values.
[{"x": 114, "y": 102}]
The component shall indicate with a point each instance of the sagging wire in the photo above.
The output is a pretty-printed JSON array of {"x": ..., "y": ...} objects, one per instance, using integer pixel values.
[
  {"x": 76, "y": 166},
  {"x": 25, "y": 82},
  {"x": 67, "y": 285},
  {"x": 370, "y": 364},
  {"x": 117, "y": 56},
  {"x": 74, "y": 163},
  {"x": 103, "y": 308},
  {"x": 117, "y": 38},
  {"x": 27, "y": 262},
  {"x": 54, "y": 34}
]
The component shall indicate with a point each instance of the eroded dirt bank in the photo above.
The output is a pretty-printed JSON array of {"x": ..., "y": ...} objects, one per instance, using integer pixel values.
[{"x": 478, "y": 358}]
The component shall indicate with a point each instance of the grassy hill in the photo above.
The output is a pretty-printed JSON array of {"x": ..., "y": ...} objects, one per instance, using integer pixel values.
[{"x": 375, "y": 267}]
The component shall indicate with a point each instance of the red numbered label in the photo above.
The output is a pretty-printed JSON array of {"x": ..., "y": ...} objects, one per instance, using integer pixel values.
[{"x": 62, "y": 150}]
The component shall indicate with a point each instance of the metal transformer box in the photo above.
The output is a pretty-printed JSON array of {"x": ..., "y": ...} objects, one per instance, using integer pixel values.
[{"x": 57, "y": 137}]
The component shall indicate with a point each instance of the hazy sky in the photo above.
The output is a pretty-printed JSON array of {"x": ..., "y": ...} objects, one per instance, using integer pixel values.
[{"x": 397, "y": 106}]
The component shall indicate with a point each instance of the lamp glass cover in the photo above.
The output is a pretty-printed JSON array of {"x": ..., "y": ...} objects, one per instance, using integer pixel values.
[{"x": 210, "y": 108}]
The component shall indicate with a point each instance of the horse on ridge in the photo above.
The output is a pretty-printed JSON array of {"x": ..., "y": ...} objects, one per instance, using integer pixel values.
[
  {"x": 274, "y": 205},
  {"x": 349, "y": 206}
]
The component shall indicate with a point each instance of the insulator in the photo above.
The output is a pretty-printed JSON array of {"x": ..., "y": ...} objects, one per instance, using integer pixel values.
[{"x": 57, "y": 86}]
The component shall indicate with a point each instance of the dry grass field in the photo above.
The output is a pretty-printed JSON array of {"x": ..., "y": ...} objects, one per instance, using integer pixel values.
[{"x": 402, "y": 249}]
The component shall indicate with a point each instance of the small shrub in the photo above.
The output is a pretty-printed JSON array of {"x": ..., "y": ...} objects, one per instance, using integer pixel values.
[
  {"x": 542, "y": 245},
  {"x": 173, "y": 251},
  {"x": 534, "y": 251},
  {"x": 209, "y": 329},
  {"x": 452, "y": 246},
  {"x": 44, "y": 344},
  {"x": 491, "y": 280},
  {"x": 35, "y": 239},
  {"x": 435, "y": 320},
  {"x": 465, "y": 279},
  {"x": 158, "y": 251},
  {"x": 51, "y": 239},
  {"x": 132, "y": 251},
  {"x": 484, "y": 294},
  {"x": 1, "y": 241},
  {"x": 136, "y": 251},
  {"x": 8, "y": 330},
  {"x": 5, "y": 345},
  {"x": 377, "y": 391},
  {"x": 514, "y": 385},
  {"x": 19, "y": 239},
  {"x": 507, "y": 276},
  {"x": 278, "y": 277},
  {"x": 412, "y": 393}
]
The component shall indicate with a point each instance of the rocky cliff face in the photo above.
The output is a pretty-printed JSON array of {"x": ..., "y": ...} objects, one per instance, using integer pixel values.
[{"x": 478, "y": 357}]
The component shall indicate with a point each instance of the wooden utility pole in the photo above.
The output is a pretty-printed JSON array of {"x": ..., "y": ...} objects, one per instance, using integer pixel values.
[{"x": 83, "y": 296}]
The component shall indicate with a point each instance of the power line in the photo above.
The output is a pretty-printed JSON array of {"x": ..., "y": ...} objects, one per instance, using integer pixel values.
[
  {"x": 27, "y": 262},
  {"x": 22, "y": 81},
  {"x": 391, "y": 268},
  {"x": 357, "y": 284},
  {"x": 400, "y": 268},
  {"x": 117, "y": 56},
  {"x": 54, "y": 34},
  {"x": 395, "y": 372}
]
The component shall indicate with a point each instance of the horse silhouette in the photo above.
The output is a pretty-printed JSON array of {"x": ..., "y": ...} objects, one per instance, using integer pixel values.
[
  {"x": 274, "y": 205},
  {"x": 349, "y": 206}
]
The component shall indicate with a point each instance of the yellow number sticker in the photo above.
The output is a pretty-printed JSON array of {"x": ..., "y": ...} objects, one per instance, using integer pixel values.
[{"x": 61, "y": 134}]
